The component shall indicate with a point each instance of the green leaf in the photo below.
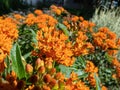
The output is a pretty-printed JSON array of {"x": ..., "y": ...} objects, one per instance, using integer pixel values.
[
  {"x": 81, "y": 61},
  {"x": 65, "y": 70},
  {"x": 27, "y": 55},
  {"x": 97, "y": 82},
  {"x": 17, "y": 64},
  {"x": 21, "y": 69},
  {"x": 8, "y": 69},
  {"x": 34, "y": 40},
  {"x": 64, "y": 28},
  {"x": 13, "y": 58}
]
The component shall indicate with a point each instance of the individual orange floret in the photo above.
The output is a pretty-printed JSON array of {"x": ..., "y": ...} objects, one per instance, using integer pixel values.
[
  {"x": 104, "y": 88},
  {"x": 84, "y": 24},
  {"x": 57, "y": 11},
  {"x": 38, "y": 12},
  {"x": 53, "y": 7},
  {"x": 18, "y": 16},
  {"x": 81, "y": 18},
  {"x": 65, "y": 23},
  {"x": 75, "y": 18}
]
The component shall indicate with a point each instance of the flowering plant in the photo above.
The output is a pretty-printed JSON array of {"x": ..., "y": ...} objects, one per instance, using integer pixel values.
[{"x": 58, "y": 51}]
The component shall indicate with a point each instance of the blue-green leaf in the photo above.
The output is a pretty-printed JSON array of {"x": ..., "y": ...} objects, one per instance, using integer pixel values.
[
  {"x": 21, "y": 69},
  {"x": 17, "y": 64},
  {"x": 64, "y": 28},
  {"x": 65, "y": 70}
]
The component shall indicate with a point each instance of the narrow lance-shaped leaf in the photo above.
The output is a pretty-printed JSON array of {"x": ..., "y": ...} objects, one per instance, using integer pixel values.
[
  {"x": 13, "y": 58},
  {"x": 21, "y": 69},
  {"x": 64, "y": 28},
  {"x": 17, "y": 64},
  {"x": 97, "y": 82}
]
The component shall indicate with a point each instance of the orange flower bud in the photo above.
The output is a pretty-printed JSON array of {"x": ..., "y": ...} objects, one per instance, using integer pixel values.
[
  {"x": 47, "y": 78},
  {"x": 52, "y": 82},
  {"x": 21, "y": 84},
  {"x": 41, "y": 69},
  {"x": 52, "y": 71},
  {"x": 39, "y": 63},
  {"x": 49, "y": 65},
  {"x": 29, "y": 68},
  {"x": 34, "y": 79},
  {"x": 13, "y": 74}
]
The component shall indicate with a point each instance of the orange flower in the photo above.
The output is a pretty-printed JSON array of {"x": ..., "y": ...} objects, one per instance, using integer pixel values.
[
  {"x": 104, "y": 88},
  {"x": 115, "y": 62},
  {"x": 38, "y": 12},
  {"x": 114, "y": 76},
  {"x": 75, "y": 18},
  {"x": 73, "y": 76},
  {"x": 90, "y": 68},
  {"x": 18, "y": 16},
  {"x": 81, "y": 18},
  {"x": 29, "y": 68}
]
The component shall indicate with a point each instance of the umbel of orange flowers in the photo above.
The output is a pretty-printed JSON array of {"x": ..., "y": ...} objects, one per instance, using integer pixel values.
[{"x": 8, "y": 34}]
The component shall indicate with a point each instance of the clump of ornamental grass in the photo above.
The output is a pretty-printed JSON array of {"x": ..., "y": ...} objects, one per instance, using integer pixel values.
[{"x": 108, "y": 18}]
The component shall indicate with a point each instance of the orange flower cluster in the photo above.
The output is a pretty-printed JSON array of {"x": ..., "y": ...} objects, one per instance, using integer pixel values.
[
  {"x": 8, "y": 33},
  {"x": 81, "y": 46},
  {"x": 75, "y": 23},
  {"x": 106, "y": 40},
  {"x": 71, "y": 83},
  {"x": 42, "y": 20},
  {"x": 116, "y": 64},
  {"x": 91, "y": 69},
  {"x": 53, "y": 44},
  {"x": 57, "y": 10}
]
